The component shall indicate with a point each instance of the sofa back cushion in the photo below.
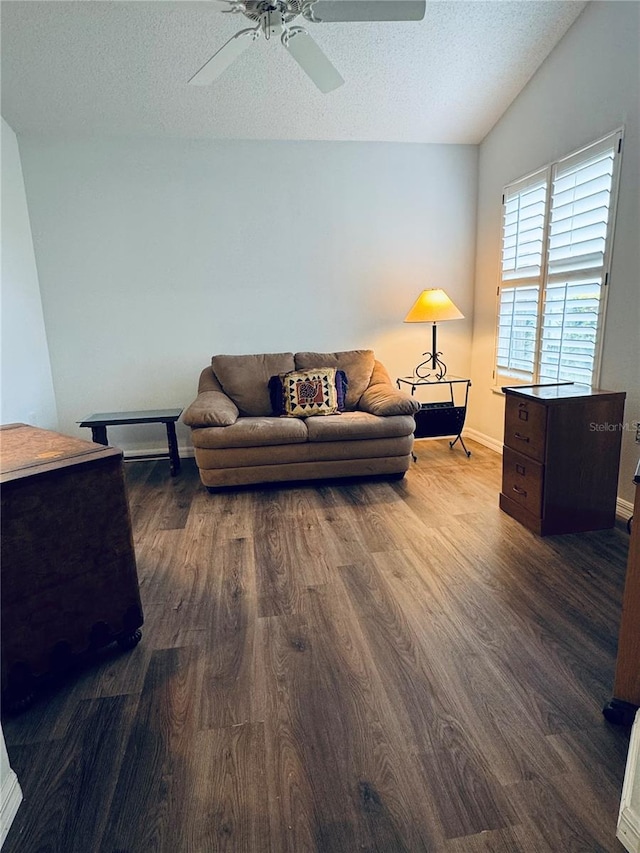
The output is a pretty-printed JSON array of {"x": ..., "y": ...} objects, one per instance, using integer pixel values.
[
  {"x": 245, "y": 378},
  {"x": 357, "y": 365}
]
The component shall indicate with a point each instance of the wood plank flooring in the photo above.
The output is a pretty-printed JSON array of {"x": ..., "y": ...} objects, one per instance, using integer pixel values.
[{"x": 371, "y": 665}]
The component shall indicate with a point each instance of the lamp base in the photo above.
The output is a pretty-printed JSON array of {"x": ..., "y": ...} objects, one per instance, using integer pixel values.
[{"x": 433, "y": 361}]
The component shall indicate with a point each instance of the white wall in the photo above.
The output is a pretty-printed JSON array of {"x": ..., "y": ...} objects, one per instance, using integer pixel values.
[
  {"x": 155, "y": 254},
  {"x": 27, "y": 389},
  {"x": 10, "y": 792},
  {"x": 588, "y": 86}
]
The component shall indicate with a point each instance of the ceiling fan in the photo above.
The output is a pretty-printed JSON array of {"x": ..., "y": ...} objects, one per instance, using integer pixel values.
[{"x": 273, "y": 17}]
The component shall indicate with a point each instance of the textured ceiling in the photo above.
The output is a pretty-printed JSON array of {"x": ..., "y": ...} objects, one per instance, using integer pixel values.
[{"x": 122, "y": 68}]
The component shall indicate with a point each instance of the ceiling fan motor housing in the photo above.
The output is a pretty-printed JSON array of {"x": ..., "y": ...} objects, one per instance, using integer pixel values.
[{"x": 284, "y": 10}]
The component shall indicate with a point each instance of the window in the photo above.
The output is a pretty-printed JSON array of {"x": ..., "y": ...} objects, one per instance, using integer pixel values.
[{"x": 556, "y": 246}]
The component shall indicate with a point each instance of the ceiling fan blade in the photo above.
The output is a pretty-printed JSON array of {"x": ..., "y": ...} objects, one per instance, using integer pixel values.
[
  {"x": 330, "y": 11},
  {"x": 312, "y": 60},
  {"x": 223, "y": 58}
]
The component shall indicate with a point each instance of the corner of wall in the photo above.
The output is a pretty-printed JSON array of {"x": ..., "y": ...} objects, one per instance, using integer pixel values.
[{"x": 27, "y": 384}]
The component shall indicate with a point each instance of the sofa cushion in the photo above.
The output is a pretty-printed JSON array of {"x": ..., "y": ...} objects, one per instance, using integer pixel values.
[
  {"x": 357, "y": 365},
  {"x": 252, "y": 432},
  {"x": 245, "y": 378},
  {"x": 357, "y": 425},
  {"x": 284, "y": 454},
  {"x": 304, "y": 393},
  {"x": 225, "y": 477}
]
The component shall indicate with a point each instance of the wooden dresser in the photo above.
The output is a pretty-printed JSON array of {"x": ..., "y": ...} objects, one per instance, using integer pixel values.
[
  {"x": 69, "y": 580},
  {"x": 626, "y": 689},
  {"x": 561, "y": 457}
]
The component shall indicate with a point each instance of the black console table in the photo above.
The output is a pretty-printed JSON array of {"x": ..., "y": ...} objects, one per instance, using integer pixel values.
[
  {"x": 99, "y": 423},
  {"x": 439, "y": 419}
]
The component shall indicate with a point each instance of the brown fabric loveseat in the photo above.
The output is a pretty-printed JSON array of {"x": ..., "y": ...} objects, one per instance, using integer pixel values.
[{"x": 238, "y": 440}]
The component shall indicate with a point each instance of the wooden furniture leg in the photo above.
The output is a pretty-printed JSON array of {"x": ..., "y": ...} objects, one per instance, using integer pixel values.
[
  {"x": 174, "y": 456},
  {"x": 99, "y": 434}
]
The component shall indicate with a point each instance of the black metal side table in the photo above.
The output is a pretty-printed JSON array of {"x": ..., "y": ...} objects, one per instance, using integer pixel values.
[{"x": 439, "y": 419}]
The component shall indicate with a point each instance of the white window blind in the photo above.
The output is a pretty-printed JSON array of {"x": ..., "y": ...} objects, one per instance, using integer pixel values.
[
  {"x": 557, "y": 233},
  {"x": 522, "y": 258},
  {"x": 517, "y": 331}
]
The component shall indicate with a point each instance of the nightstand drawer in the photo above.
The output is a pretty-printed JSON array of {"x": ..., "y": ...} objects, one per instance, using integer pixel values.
[
  {"x": 522, "y": 480},
  {"x": 525, "y": 427}
]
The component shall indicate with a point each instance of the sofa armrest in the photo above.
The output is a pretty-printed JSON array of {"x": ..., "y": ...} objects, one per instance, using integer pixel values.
[
  {"x": 384, "y": 400},
  {"x": 211, "y": 408},
  {"x": 381, "y": 398}
]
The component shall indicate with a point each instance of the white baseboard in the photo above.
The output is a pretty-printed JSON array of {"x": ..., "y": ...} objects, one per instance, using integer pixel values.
[
  {"x": 485, "y": 440},
  {"x": 155, "y": 453},
  {"x": 10, "y": 799},
  {"x": 629, "y": 831},
  {"x": 629, "y": 818},
  {"x": 624, "y": 509}
]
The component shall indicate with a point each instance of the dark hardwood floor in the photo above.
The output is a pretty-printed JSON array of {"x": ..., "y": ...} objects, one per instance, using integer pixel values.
[{"x": 339, "y": 667}]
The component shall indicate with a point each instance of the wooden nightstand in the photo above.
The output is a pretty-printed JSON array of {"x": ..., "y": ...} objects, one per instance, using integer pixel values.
[
  {"x": 69, "y": 580},
  {"x": 561, "y": 457}
]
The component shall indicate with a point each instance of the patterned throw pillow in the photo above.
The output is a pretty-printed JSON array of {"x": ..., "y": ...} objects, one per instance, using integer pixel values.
[{"x": 304, "y": 393}]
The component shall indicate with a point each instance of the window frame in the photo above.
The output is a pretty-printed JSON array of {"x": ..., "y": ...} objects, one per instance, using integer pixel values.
[{"x": 614, "y": 140}]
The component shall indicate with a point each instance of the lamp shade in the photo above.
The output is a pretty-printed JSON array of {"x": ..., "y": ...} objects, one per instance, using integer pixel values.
[{"x": 432, "y": 306}]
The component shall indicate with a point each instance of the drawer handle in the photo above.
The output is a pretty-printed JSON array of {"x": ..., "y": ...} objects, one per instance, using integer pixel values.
[
  {"x": 519, "y": 491},
  {"x": 522, "y": 437}
]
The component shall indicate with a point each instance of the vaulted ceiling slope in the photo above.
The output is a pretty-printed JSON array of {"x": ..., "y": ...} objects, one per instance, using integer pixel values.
[{"x": 121, "y": 68}]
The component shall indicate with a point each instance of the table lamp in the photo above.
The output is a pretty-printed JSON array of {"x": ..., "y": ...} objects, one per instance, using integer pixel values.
[{"x": 433, "y": 306}]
